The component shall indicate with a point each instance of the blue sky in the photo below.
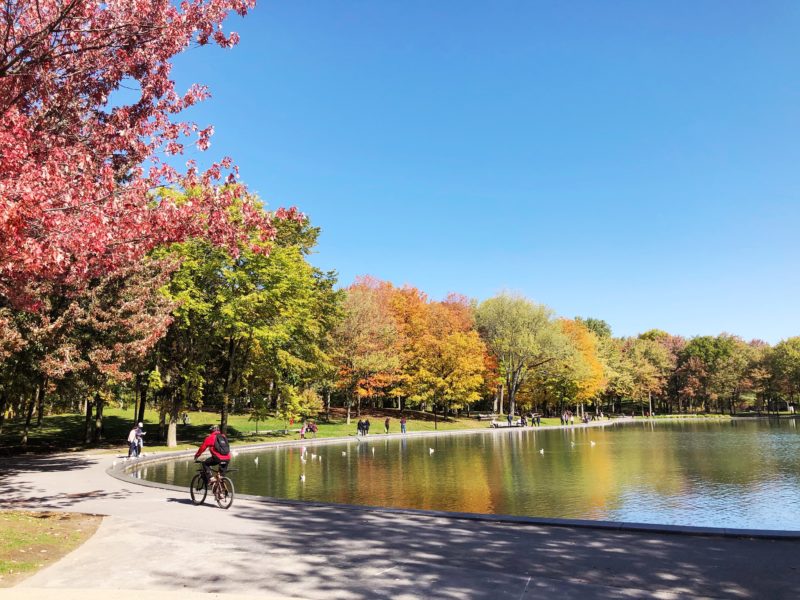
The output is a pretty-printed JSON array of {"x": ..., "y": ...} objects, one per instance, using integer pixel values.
[{"x": 632, "y": 161}]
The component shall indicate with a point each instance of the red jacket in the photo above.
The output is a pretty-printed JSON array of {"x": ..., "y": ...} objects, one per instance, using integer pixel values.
[{"x": 208, "y": 443}]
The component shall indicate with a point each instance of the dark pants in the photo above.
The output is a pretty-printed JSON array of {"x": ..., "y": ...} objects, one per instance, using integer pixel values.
[{"x": 212, "y": 461}]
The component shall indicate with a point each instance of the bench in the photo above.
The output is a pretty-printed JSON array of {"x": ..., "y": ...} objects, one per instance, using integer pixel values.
[{"x": 485, "y": 416}]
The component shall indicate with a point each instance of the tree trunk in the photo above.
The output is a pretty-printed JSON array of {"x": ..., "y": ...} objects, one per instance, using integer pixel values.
[
  {"x": 28, "y": 417},
  {"x": 87, "y": 423},
  {"x": 98, "y": 419},
  {"x": 142, "y": 404},
  {"x": 162, "y": 423},
  {"x": 501, "y": 400},
  {"x": 650, "y": 401},
  {"x": 226, "y": 393},
  {"x": 41, "y": 389},
  {"x": 327, "y": 405},
  {"x": 3, "y": 404},
  {"x": 172, "y": 432}
]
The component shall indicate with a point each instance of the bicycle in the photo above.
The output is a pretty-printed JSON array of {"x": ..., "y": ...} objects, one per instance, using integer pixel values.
[{"x": 221, "y": 487}]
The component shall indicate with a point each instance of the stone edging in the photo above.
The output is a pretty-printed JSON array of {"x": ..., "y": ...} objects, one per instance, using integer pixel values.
[{"x": 122, "y": 470}]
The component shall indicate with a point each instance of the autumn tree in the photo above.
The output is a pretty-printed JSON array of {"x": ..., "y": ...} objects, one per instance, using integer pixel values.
[
  {"x": 78, "y": 164},
  {"x": 366, "y": 342}
]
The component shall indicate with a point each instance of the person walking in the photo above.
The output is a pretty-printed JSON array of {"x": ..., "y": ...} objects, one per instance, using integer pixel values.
[
  {"x": 360, "y": 427},
  {"x": 403, "y": 424},
  {"x": 386, "y": 425},
  {"x": 133, "y": 443},
  {"x": 366, "y": 427},
  {"x": 140, "y": 433}
]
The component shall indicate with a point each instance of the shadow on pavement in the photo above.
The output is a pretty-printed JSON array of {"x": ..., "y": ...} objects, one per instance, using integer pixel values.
[{"x": 324, "y": 552}]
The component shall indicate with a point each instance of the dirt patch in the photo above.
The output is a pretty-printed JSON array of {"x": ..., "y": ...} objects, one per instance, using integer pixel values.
[{"x": 30, "y": 540}]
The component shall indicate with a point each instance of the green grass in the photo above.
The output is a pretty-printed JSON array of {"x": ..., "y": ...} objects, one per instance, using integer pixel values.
[
  {"x": 31, "y": 540},
  {"x": 65, "y": 431}
]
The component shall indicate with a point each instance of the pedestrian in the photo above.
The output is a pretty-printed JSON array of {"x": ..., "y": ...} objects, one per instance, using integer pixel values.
[
  {"x": 313, "y": 428},
  {"x": 360, "y": 427},
  {"x": 509, "y": 418},
  {"x": 386, "y": 425},
  {"x": 140, "y": 432},
  {"x": 538, "y": 420},
  {"x": 366, "y": 426},
  {"x": 133, "y": 443},
  {"x": 403, "y": 424},
  {"x": 303, "y": 431}
]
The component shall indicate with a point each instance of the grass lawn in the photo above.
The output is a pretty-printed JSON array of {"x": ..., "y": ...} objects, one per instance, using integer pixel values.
[
  {"x": 65, "y": 432},
  {"x": 32, "y": 540}
]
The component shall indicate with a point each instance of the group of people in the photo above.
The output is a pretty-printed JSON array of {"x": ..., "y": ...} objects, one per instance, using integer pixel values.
[
  {"x": 532, "y": 419},
  {"x": 308, "y": 427},
  {"x": 363, "y": 425}
]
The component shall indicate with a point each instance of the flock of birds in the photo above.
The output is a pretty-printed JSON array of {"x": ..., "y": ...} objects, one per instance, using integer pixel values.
[{"x": 318, "y": 457}]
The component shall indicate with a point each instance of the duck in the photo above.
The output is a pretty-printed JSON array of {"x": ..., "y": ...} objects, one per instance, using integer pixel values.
[
  {"x": 344, "y": 453},
  {"x": 431, "y": 450},
  {"x": 255, "y": 460},
  {"x": 541, "y": 451},
  {"x": 591, "y": 443}
]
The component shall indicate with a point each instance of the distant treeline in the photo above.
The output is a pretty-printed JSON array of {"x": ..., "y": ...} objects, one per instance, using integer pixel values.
[{"x": 195, "y": 324}]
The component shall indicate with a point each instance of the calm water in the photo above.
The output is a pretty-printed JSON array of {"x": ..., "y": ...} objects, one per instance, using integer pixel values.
[{"x": 728, "y": 474}]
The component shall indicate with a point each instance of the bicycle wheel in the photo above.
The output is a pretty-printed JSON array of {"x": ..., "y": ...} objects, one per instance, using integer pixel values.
[
  {"x": 198, "y": 489},
  {"x": 223, "y": 493}
]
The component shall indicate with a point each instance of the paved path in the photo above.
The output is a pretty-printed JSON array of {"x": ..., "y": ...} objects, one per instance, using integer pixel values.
[{"x": 156, "y": 545}]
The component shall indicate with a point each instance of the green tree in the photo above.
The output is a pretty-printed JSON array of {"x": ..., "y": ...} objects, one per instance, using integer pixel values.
[{"x": 523, "y": 338}]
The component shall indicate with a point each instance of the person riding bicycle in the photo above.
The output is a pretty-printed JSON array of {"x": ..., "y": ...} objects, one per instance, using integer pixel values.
[{"x": 217, "y": 444}]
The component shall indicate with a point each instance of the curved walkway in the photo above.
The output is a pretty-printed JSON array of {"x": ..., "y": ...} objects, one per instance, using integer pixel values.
[{"x": 155, "y": 544}]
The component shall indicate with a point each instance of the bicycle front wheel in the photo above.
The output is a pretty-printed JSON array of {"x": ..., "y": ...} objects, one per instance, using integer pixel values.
[
  {"x": 224, "y": 493},
  {"x": 198, "y": 489}
]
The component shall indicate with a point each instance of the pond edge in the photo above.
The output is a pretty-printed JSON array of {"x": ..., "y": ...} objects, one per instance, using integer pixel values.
[{"x": 122, "y": 470}]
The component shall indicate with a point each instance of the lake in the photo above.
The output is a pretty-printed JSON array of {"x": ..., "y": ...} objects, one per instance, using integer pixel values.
[{"x": 739, "y": 473}]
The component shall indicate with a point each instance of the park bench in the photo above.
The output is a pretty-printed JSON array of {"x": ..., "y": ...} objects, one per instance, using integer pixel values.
[{"x": 485, "y": 416}]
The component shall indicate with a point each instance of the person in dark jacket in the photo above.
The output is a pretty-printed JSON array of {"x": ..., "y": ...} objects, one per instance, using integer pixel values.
[{"x": 216, "y": 458}]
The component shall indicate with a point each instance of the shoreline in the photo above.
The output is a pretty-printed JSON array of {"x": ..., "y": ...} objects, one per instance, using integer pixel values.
[{"x": 123, "y": 472}]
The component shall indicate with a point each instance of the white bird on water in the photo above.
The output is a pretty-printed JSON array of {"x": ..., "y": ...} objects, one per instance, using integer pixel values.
[
  {"x": 344, "y": 453},
  {"x": 303, "y": 477},
  {"x": 373, "y": 451},
  {"x": 313, "y": 456},
  {"x": 255, "y": 460},
  {"x": 572, "y": 444},
  {"x": 541, "y": 451},
  {"x": 431, "y": 450},
  {"x": 592, "y": 443}
]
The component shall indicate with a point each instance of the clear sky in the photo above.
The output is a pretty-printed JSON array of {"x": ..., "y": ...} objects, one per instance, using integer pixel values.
[{"x": 637, "y": 162}]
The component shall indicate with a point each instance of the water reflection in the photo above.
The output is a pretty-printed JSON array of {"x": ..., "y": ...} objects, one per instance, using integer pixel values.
[{"x": 729, "y": 474}]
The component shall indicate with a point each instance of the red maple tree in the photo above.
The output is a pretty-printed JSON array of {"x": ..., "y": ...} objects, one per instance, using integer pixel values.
[{"x": 78, "y": 173}]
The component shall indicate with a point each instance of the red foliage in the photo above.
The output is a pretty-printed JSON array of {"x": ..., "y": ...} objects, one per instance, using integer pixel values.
[{"x": 76, "y": 171}]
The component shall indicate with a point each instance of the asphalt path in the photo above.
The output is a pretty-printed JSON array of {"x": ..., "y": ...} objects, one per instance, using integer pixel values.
[{"x": 155, "y": 544}]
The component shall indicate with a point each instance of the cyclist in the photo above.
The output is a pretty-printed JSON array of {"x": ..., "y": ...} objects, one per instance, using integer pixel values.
[{"x": 217, "y": 445}]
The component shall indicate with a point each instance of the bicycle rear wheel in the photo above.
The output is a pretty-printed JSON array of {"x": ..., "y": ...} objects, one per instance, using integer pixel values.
[
  {"x": 198, "y": 489},
  {"x": 223, "y": 493}
]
